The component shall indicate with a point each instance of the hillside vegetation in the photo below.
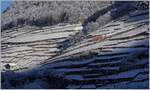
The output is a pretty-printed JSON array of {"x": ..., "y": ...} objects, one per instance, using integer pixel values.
[{"x": 43, "y": 13}]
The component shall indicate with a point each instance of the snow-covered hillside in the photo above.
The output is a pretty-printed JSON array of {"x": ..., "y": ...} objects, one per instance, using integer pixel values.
[
  {"x": 118, "y": 61},
  {"x": 114, "y": 56},
  {"x": 28, "y": 48}
]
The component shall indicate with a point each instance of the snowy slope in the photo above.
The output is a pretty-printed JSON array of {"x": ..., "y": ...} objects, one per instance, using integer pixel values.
[
  {"x": 120, "y": 60},
  {"x": 28, "y": 48},
  {"x": 117, "y": 60}
]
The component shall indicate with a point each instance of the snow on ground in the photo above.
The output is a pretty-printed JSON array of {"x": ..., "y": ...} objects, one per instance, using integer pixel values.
[
  {"x": 88, "y": 86},
  {"x": 31, "y": 37},
  {"x": 124, "y": 52},
  {"x": 75, "y": 77},
  {"x": 31, "y": 47},
  {"x": 22, "y": 48},
  {"x": 97, "y": 46},
  {"x": 123, "y": 74}
]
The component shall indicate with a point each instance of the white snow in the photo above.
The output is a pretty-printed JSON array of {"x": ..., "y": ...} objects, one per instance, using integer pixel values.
[
  {"x": 66, "y": 63},
  {"x": 91, "y": 86},
  {"x": 114, "y": 56},
  {"x": 98, "y": 45},
  {"x": 102, "y": 63},
  {"x": 22, "y": 48},
  {"x": 67, "y": 26},
  {"x": 73, "y": 86},
  {"x": 143, "y": 42},
  {"x": 70, "y": 70},
  {"x": 141, "y": 17},
  {"x": 137, "y": 12},
  {"x": 126, "y": 74},
  {"x": 75, "y": 77},
  {"x": 38, "y": 37},
  {"x": 141, "y": 77},
  {"x": 123, "y": 50},
  {"x": 37, "y": 84},
  {"x": 110, "y": 68},
  {"x": 132, "y": 32},
  {"x": 53, "y": 49}
]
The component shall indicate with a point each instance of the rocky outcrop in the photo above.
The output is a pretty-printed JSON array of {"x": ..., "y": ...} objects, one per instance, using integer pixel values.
[
  {"x": 113, "y": 56},
  {"x": 118, "y": 61},
  {"x": 25, "y": 48}
]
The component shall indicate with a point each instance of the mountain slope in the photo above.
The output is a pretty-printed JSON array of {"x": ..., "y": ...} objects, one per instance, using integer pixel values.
[
  {"x": 121, "y": 58},
  {"x": 45, "y": 13},
  {"x": 112, "y": 56}
]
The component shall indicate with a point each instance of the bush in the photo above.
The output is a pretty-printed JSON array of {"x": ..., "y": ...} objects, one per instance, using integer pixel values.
[{"x": 43, "y": 13}]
